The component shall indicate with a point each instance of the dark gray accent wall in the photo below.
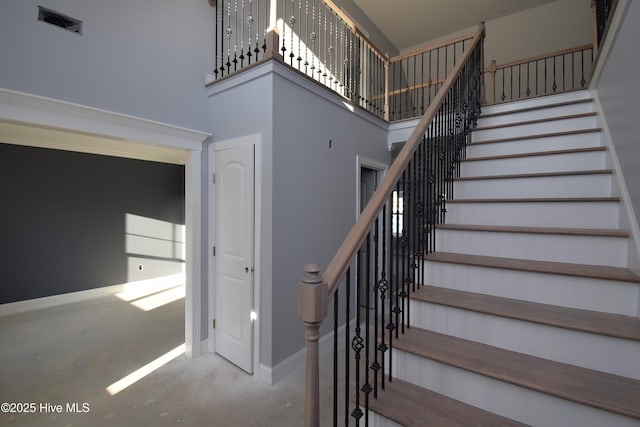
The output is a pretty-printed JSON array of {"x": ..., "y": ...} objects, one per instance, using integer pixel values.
[{"x": 62, "y": 217}]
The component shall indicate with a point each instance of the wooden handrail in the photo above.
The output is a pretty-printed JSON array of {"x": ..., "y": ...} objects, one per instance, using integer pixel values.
[
  {"x": 342, "y": 259},
  {"x": 543, "y": 56},
  {"x": 352, "y": 25}
]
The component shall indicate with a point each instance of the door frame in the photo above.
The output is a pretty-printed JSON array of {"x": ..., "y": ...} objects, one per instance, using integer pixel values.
[
  {"x": 256, "y": 141},
  {"x": 368, "y": 163},
  {"x": 381, "y": 170},
  {"x": 87, "y": 129}
]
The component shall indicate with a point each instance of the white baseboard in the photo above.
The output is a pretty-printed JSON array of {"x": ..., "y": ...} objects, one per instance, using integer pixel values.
[
  {"x": 55, "y": 300},
  {"x": 272, "y": 375}
]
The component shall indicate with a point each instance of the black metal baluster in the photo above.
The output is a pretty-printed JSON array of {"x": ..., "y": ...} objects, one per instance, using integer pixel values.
[
  {"x": 357, "y": 342},
  {"x": 292, "y": 23},
  {"x": 335, "y": 359},
  {"x": 366, "y": 388},
  {"x": 422, "y": 82},
  {"x": 235, "y": 33},
  {"x": 383, "y": 286},
  {"x": 573, "y": 70},
  {"x": 582, "y": 81},
  {"x": 545, "y": 75},
  {"x": 299, "y": 21},
  {"x": 375, "y": 367},
  {"x": 537, "y": 92},
  {"x": 347, "y": 346},
  {"x": 241, "y": 57},
  {"x": 528, "y": 80},
  {"x": 555, "y": 85},
  {"x": 404, "y": 243},
  {"x": 283, "y": 49},
  {"x": 397, "y": 259},
  {"x": 215, "y": 42}
]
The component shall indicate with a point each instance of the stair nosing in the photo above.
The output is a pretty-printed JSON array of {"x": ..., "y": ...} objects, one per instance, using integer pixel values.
[
  {"x": 536, "y": 136},
  {"x": 439, "y": 406},
  {"x": 540, "y": 375},
  {"x": 539, "y": 200},
  {"x": 588, "y": 321},
  {"x": 603, "y": 272},
  {"x": 537, "y": 107},
  {"x": 594, "y": 232},
  {"x": 536, "y": 175},
  {"x": 536, "y": 154},
  {"x": 536, "y": 121}
]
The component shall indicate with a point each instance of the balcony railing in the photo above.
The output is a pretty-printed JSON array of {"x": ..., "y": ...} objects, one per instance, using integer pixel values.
[
  {"x": 319, "y": 40},
  {"x": 551, "y": 73}
]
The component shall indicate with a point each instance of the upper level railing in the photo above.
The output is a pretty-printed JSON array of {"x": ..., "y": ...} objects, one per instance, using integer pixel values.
[
  {"x": 551, "y": 73},
  {"x": 416, "y": 77},
  {"x": 382, "y": 253},
  {"x": 319, "y": 40}
]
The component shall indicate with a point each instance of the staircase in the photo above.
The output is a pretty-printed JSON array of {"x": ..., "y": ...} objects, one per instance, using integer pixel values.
[{"x": 529, "y": 315}]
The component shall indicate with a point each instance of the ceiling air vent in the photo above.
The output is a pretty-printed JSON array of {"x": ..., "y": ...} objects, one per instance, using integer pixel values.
[{"x": 59, "y": 20}]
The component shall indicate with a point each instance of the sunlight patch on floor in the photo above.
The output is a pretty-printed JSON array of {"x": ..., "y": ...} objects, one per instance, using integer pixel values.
[
  {"x": 153, "y": 293},
  {"x": 150, "y": 367}
]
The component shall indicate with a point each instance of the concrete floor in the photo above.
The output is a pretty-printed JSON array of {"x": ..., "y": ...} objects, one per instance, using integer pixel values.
[{"x": 72, "y": 353}]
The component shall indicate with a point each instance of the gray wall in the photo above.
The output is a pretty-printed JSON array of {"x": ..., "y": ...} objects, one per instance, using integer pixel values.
[
  {"x": 619, "y": 93},
  {"x": 308, "y": 189},
  {"x": 314, "y": 192},
  {"x": 236, "y": 111},
  {"x": 139, "y": 57},
  {"x": 63, "y": 219}
]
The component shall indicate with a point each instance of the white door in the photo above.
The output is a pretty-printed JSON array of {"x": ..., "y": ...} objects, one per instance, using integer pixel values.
[{"x": 234, "y": 210}]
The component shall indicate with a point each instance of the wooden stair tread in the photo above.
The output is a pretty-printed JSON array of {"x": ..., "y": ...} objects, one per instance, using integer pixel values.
[
  {"x": 414, "y": 406},
  {"x": 613, "y": 325},
  {"x": 536, "y": 108},
  {"x": 536, "y": 136},
  {"x": 535, "y": 121},
  {"x": 609, "y": 392},
  {"x": 536, "y": 175},
  {"x": 536, "y": 153},
  {"x": 534, "y": 266},
  {"x": 538, "y": 200},
  {"x": 596, "y": 232}
]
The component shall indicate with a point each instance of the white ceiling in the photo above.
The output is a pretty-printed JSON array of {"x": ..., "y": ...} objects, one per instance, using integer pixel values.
[{"x": 407, "y": 23}]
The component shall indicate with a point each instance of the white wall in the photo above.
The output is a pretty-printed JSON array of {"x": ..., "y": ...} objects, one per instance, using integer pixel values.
[
  {"x": 618, "y": 90},
  {"x": 552, "y": 26},
  {"x": 138, "y": 57}
]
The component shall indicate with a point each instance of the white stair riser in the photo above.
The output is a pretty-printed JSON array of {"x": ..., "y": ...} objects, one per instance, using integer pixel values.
[
  {"x": 536, "y": 214},
  {"x": 590, "y": 185},
  {"x": 536, "y": 102},
  {"x": 377, "y": 420},
  {"x": 607, "y": 354},
  {"x": 609, "y": 296},
  {"x": 548, "y": 143},
  {"x": 542, "y": 247},
  {"x": 545, "y": 113},
  {"x": 519, "y": 403},
  {"x": 534, "y": 128},
  {"x": 590, "y": 160}
]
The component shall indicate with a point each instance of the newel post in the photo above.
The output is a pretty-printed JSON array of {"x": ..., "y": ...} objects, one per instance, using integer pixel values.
[
  {"x": 312, "y": 302},
  {"x": 272, "y": 36}
]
